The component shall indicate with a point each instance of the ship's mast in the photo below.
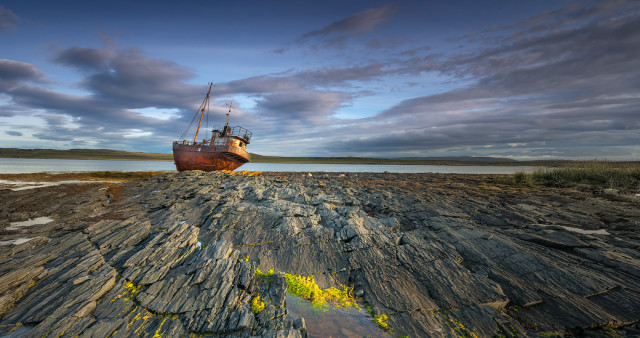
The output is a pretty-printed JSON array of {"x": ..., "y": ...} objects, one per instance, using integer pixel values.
[
  {"x": 226, "y": 123},
  {"x": 204, "y": 106}
]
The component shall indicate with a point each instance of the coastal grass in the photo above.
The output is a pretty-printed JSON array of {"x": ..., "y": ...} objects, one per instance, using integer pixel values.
[{"x": 622, "y": 176}]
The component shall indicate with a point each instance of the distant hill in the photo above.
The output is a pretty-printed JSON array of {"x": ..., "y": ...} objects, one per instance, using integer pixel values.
[
  {"x": 108, "y": 154},
  {"x": 459, "y": 158},
  {"x": 83, "y": 154},
  {"x": 406, "y": 160}
]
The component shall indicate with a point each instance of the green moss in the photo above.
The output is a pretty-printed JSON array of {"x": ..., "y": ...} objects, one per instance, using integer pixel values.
[
  {"x": 307, "y": 288},
  {"x": 261, "y": 274},
  {"x": 132, "y": 288},
  {"x": 233, "y": 225},
  {"x": 257, "y": 305},
  {"x": 158, "y": 333},
  {"x": 257, "y": 244},
  {"x": 381, "y": 321},
  {"x": 457, "y": 326}
]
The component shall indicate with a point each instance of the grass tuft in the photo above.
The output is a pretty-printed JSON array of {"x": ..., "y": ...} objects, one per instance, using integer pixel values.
[{"x": 624, "y": 176}]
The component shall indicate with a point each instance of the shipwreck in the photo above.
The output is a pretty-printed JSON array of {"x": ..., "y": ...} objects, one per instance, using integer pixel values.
[{"x": 225, "y": 149}]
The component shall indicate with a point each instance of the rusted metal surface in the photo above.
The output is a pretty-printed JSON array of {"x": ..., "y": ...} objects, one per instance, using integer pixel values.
[{"x": 208, "y": 157}]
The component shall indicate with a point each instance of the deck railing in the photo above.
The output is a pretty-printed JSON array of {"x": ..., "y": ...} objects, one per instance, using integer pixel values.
[
  {"x": 221, "y": 148},
  {"x": 238, "y": 132}
]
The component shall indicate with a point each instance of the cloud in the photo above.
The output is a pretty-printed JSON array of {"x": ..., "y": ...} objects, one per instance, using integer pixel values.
[
  {"x": 119, "y": 82},
  {"x": 54, "y": 136},
  {"x": 357, "y": 24},
  {"x": 9, "y": 110},
  {"x": 13, "y": 133},
  {"x": 300, "y": 107},
  {"x": 12, "y": 71},
  {"x": 560, "y": 84},
  {"x": 8, "y": 19},
  {"x": 85, "y": 58},
  {"x": 577, "y": 33},
  {"x": 571, "y": 86},
  {"x": 129, "y": 79},
  {"x": 15, "y": 73},
  {"x": 294, "y": 81}
]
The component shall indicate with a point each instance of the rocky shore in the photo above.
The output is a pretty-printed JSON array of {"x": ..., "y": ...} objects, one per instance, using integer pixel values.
[{"x": 440, "y": 255}]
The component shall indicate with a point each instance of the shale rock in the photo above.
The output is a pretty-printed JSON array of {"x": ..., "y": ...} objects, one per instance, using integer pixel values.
[{"x": 441, "y": 255}]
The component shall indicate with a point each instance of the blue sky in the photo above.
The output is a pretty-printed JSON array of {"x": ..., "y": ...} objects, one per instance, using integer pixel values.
[{"x": 519, "y": 79}]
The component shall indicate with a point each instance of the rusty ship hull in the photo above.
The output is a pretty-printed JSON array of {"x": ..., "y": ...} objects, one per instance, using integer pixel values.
[{"x": 208, "y": 157}]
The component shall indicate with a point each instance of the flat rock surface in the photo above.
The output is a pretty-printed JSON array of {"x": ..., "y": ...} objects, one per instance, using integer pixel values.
[{"x": 440, "y": 255}]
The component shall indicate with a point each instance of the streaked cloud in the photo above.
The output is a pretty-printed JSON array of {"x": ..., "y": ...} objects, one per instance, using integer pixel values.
[
  {"x": 560, "y": 83},
  {"x": 337, "y": 32},
  {"x": 13, "y": 72},
  {"x": 573, "y": 84},
  {"x": 13, "y": 133},
  {"x": 8, "y": 19}
]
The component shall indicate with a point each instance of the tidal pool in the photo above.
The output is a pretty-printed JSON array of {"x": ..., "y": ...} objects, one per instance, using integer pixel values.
[
  {"x": 16, "y": 241},
  {"x": 580, "y": 231},
  {"x": 330, "y": 321},
  {"x": 22, "y": 185},
  {"x": 28, "y": 223}
]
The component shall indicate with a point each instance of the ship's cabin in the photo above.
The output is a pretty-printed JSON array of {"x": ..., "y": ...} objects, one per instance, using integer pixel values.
[
  {"x": 226, "y": 136},
  {"x": 233, "y": 136}
]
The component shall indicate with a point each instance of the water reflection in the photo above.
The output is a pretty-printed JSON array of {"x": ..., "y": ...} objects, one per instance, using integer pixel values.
[{"x": 333, "y": 322}]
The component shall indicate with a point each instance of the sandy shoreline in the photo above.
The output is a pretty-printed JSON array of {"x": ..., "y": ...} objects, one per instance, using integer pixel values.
[{"x": 440, "y": 255}]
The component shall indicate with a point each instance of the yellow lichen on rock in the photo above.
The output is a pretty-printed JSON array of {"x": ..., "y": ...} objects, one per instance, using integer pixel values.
[{"x": 243, "y": 172}]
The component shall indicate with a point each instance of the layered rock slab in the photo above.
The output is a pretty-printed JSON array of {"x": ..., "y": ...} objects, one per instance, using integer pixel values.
[
  {"x": 128, "y": 277},
  {"x": 441, "y": 255}
]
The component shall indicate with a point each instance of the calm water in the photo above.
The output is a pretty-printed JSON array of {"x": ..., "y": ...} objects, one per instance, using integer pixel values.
[
  {"x": 333, "y": 322},
  {"x": 31, "y": 165}
]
